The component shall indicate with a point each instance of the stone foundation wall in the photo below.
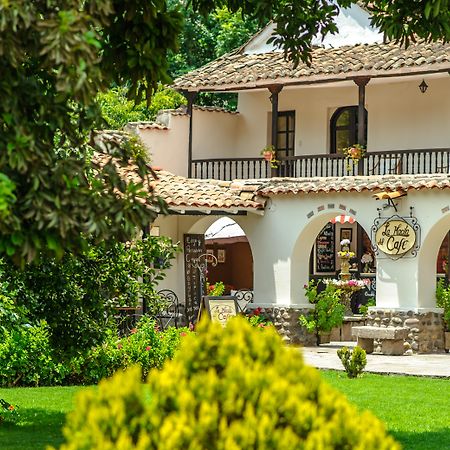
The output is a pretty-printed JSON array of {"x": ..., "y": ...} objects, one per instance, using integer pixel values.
[
  {"x": 286, "y": 322},
  {"x": 426, "y": 330}
]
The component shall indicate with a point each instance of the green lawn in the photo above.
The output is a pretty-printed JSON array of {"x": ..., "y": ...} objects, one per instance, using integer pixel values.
[
  {"x": 416, "y": 410},
  {"x": 42, "y": 414}
]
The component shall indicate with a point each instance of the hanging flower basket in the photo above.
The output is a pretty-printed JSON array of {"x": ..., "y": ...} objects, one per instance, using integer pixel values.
[
  {"x": 354, "y": 154},
  {"x": 269, "y": 154}
]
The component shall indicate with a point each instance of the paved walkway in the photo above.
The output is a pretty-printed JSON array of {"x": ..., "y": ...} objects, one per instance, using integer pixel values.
[{"x": 433, "y": 365}]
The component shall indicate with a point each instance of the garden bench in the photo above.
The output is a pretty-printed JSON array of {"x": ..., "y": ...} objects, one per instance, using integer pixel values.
[{"x": 392, "y": 338}]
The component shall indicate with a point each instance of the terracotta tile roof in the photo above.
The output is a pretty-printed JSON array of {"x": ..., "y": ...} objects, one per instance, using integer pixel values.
[
  {"x": 189, "y": 193},
  {"x": 276, "y": 186},
  {"x": 182, "y": 111},
  {"x": 146, "y": 126},
  {"x": 244, "y": 71}
]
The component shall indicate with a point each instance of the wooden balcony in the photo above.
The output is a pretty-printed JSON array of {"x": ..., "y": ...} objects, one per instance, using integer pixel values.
[{"x": 395, "y": 162}]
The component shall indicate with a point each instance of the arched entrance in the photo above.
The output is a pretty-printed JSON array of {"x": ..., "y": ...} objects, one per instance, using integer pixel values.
[
  {"x": 226, "y": 240},
  {"x": 315, "y": 253}
]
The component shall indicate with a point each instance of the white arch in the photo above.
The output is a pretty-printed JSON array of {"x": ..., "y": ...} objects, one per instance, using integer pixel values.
[
  {"x": 302, "y": 250},
  {"x": 427, "y": 262}
]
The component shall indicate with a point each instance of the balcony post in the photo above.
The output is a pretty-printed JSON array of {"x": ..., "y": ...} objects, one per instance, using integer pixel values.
[
  {"x": 361, "y": 82},
  {"x": 190, "y": 97},
  {"x": 274, "y": 91}
]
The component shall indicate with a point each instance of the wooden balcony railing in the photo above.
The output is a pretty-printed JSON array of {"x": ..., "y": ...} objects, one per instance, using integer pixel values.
[{"x": 422, "y": 161}]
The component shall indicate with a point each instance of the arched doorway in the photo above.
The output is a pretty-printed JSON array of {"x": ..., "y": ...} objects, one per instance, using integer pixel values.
[
  {"x": 315, "y": 253},
  {"x": 227, "y": 241},
  {"x": 324, "y": 261}
]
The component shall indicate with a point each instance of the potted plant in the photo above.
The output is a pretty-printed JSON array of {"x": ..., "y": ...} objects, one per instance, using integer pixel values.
[
  {"x": 443, "y": 301},
  {"x": 328, "y": 311},
  {"x": 353, "y": 154},
  {"x": 269, "y": 154}
]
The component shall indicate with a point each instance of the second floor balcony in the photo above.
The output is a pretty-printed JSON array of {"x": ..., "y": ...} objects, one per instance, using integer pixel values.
[{"x": 395, "y": 162}]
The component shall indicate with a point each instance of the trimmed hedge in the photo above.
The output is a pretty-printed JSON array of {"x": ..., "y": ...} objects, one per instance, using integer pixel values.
[{"x": 232, "y": 388}]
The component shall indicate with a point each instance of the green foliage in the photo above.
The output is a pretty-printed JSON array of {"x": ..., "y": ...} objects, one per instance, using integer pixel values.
[
  {"x": 146, "y": 346},
  {"x": 258, "y": 319},
  {"x": 77, "y": 295},
  {"x": 8, "y": 411},
  {"x": 118, "y": 110},
  {"x": 27, "y": 359},
  {"x": 328, "y": 311},
  {"x": 55, "y": 57},
  {"x": 364, "y": 309},
  {"x": 215, "y": 290},
  {"x": 231, "y": 388},
  {"x": 353, "y": 361},
  {"x": 443, "y": 300}
]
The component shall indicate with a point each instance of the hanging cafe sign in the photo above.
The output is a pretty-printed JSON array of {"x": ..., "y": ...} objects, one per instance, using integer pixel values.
[{"x": 396, "y": 236}]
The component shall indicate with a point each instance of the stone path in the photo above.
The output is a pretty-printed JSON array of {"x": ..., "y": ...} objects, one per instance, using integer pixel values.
[{"x": 432, "y": 365}]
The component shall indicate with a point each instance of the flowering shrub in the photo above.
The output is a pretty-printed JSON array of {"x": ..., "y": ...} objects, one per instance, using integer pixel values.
[
  {"x": 146, "y": 346},
  {"x": 8, "y": 411},
  {"x": 346, "y": 254},
  {"x": 257, "y": 319},
  {"x": 353, "y": 285},
  {"x": 228, "y": 388}
]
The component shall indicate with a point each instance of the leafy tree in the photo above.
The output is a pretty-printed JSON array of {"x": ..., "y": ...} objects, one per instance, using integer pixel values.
[
  {"x": 77, "y": 295},
  {"x": 118, "y": 110},
  {"x": 55, "y": 56}
]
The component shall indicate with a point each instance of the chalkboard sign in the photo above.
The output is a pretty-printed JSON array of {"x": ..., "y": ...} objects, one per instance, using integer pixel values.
[
  {"x": 194, "y": 246},
  {"x": 325, "y": 250}
]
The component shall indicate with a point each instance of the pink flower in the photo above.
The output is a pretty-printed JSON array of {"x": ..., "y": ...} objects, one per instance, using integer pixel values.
[
  {"x": 191, "y": 326},
  {"x": 260, "y": 325},
  {"x": 148, "y": 348},
  {"x": 183, "y": 333}
]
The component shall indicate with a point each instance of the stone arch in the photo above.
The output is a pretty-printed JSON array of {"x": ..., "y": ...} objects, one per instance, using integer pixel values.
[
  {"x": 304, "y": 243},
  {"x": 427, "y": 261}
]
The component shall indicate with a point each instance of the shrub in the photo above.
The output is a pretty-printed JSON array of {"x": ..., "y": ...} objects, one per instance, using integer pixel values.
[
  {"x": 27, "y": 359},
  {"x": 231, "y": 388},
  {"x": 257, "y": 319},
  {"x": 328, "y": 310},
  {"x": 443, "y": 301},
  {"x": 364, "y": 309},
  {"x": 145, "y": 346},
  {"x": 353, "y": 361}
]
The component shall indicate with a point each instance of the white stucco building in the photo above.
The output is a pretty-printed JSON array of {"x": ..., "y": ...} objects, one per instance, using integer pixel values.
[{"x": 358, "y": 90}]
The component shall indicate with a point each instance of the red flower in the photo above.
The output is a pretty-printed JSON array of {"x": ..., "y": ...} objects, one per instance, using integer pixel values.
[
  {"x": 133, "y": 330},
  {"x": 11, "y": 407},
  {"x": 257, "y": 311},
  {"x": 148, "y": 348},
  {"x": 183, "y": 333}
]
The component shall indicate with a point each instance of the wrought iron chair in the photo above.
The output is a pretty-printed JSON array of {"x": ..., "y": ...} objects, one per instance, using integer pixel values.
[
  {"x": 171, "y": 315},
  {"x": 243, "y": 298},
  {"x": 126, "y": 319}
]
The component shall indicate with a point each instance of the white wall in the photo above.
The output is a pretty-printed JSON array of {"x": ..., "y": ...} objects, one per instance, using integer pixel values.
[
  {"x": 282, "y": 239},
  {"x": 399, "y": 115}
]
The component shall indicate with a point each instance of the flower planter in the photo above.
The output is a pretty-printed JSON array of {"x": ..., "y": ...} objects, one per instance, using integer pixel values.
[{"x": 447, "y": 341}]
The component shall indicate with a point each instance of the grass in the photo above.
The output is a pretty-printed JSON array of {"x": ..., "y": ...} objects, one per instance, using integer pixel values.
[
  {"x": 42, "y": 414},
  {"x": 415, "y": 410}
]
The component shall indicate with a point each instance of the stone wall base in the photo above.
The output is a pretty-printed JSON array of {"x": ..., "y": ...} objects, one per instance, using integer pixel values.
[
  {"x": 285, "y": 320},
  {"x": 426, "y": 329}
]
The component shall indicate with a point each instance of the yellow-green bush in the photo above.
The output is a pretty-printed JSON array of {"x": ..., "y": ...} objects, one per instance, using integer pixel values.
[{"x": 228, "y": 389}]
